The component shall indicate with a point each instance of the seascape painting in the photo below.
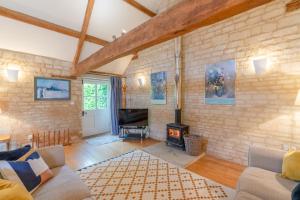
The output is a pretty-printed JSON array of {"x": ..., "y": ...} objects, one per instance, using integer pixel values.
[
  {"x": 159, "y": 88},
  {"x": 220, "y": 83},
  {"x": 51, "y": 89}
]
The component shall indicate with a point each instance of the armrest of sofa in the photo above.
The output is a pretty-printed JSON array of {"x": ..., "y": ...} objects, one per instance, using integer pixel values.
[
  {"x": 54, "y": 156},
  {"x": 265, "y": 158}
]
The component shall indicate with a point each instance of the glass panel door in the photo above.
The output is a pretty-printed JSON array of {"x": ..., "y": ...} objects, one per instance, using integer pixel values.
[
  {"x": 102, "y": 95},
  {"x": 95, "y": 96},
  {"x": 89, "y": 96},
  {"x": 96, "y": 116}
]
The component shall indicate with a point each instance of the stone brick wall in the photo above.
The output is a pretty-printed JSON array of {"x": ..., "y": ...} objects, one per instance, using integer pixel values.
[
  {"x": 265, "y": 112},
  {"x": 159, "y": 58},
  {"x": 20, "y": 113}
]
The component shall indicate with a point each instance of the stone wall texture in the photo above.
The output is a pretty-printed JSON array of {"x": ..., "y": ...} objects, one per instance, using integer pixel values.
[
  {"x": 266, "y": 112},
  {"x": 20, "y": 113}
]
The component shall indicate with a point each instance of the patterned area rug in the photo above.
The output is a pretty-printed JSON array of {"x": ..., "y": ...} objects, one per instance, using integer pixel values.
[{"x": 139, "y": 175}]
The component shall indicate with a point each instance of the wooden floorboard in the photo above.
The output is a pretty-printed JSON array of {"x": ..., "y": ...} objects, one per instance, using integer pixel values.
[
  {"x": 83, "y": 154},
  {"x": 221, "y": 171}
]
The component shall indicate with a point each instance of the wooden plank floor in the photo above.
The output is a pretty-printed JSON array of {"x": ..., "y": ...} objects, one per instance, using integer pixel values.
[
  {"x": 82, "y": 154},
  {"x": 221, "y": 171}
]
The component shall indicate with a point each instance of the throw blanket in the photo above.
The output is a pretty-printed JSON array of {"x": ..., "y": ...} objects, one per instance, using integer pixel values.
[{"x": 296, "y": 193}]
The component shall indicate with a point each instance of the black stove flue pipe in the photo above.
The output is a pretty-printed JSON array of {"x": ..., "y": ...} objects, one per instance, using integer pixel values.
[
  {"x": 177, "y": 116},
  {"x": 178, "y": 65}
]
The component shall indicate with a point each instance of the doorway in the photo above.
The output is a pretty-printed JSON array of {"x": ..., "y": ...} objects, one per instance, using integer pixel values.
[{"x": 96, "y": 114}]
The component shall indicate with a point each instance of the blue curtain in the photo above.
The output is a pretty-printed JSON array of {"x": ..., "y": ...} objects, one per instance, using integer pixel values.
[{"x": 115, "y": 102}]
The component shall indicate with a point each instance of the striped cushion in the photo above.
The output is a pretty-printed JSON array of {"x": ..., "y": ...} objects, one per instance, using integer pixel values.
[{"x": 30, "y": 171}]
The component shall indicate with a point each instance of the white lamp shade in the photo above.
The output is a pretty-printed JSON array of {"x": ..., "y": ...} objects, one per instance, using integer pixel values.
[
  {"x": 297, "y": 100},
  {"x": 12, "y": 75},
  {"x": 141, "y": 81},
  {"x": 260, "y": 65}
]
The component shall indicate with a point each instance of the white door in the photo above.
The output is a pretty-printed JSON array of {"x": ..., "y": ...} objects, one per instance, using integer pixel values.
[{"x": 96, "y": 107}]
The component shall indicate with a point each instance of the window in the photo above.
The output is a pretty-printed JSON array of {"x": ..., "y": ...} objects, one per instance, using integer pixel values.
[
  {"x": 95, "y": 96},
  {"x": 102, "y": 96}
]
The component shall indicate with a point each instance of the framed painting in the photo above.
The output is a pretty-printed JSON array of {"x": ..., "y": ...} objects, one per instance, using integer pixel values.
[
  {"x": 159, "y": 88},
  {"x": 51, "y": 89},
  {"x": 220, "y": 83}
]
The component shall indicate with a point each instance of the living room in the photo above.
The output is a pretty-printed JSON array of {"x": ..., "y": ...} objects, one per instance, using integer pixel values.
[{"x": 136, "y": 99}]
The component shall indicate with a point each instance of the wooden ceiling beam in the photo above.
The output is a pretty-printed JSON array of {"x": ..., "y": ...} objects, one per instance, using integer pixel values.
[
  {"x": 85, "y": 25},
  {"x": 141, "y": 8},
  {"x": 104, "y": 74},
  {"x": 180, "y": 19},
  {"x": 96, "y": 40},
  {"x": 64, "y": 77},
  {"x": 47, "y": 25},
  {"x": 135, "y": 56},
  {"x": 293, "y": 5}
]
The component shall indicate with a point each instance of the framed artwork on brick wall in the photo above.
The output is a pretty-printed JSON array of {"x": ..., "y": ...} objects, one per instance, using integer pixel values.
[
  {"x": 51, "y": 89},
  {"x": 220, "y": 83},
  {"x": 159, "y": 88}
]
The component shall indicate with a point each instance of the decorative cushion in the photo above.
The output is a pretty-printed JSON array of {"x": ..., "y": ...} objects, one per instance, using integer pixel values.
[
  {"x": 13, "y": 191},
  {"x": 14, "y": 154},
  {"x": 30, "y": 171},
  {"x": 296, "y": 193},
  {"x": 291, "y": 165}
]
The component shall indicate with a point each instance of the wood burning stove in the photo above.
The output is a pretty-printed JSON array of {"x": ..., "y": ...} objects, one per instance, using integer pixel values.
[{"x": 175, "y": 133}]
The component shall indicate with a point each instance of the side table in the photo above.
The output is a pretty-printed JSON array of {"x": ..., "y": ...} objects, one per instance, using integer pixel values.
[{"x": 5, "y": 138}]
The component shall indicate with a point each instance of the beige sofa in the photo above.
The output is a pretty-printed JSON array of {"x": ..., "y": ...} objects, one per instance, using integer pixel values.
[
  {"x": 65, "y": 185},
  {"x": 261, "y": 180}
]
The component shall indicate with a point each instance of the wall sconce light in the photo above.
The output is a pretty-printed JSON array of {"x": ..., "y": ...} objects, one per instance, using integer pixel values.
[
  {"x": 297, "y": 100},
  {"x": 141, "y": 81},
  {"x": 3, "y": 106},
  {"x": 261, "y": 65},
  {"x": 12, "y": 75}
]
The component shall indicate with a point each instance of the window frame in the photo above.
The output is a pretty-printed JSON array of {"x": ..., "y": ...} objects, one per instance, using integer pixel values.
[{"x": 96, "y": 97}]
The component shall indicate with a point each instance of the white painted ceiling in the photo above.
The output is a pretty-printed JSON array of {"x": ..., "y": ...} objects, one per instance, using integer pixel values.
[
  {"x": 109, "y": 17},
  {"x": 154, "y": 5},
  {"x": 18, "y": 36},
  {"x": 117, "y": 66}
]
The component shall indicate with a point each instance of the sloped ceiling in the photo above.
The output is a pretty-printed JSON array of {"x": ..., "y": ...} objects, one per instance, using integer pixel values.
[
  {"x": 154, "y": 5},
  {"x": 116, "y": 66},
  {"x": 109, "y": 17},
  {"x": 18, "y": 36}
]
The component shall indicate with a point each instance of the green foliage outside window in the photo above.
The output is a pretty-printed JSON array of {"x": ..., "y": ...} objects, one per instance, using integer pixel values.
[
  {"x": 89, "y": 103},
  {"x": 101, "y": 96},
  {"x": 95, "y": 96},
  {"x": 89, "y": 90}
]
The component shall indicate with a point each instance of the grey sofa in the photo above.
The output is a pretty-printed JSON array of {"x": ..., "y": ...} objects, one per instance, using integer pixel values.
[
  {"x": 65, "y": 185},
  {"x": 262, "y": 180}
]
